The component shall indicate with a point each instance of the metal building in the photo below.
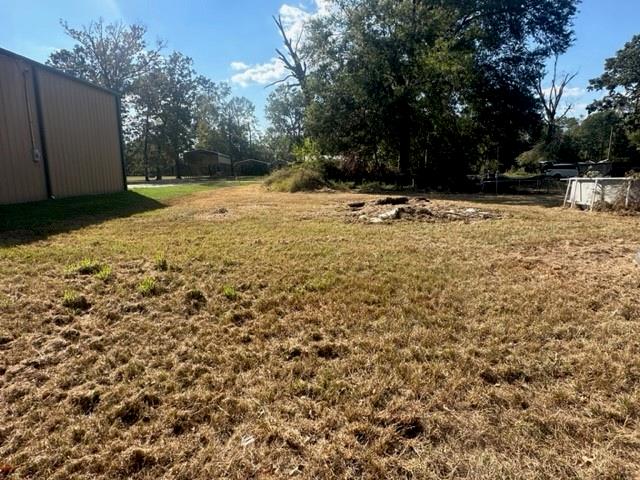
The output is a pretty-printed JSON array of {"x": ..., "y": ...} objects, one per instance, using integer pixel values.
[
  {"x": 59, "y": 136},
  {"x": 201, "y": 162}
]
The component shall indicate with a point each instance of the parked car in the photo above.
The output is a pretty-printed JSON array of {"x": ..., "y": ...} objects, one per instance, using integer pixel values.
[{"x": 562, "y": 170}]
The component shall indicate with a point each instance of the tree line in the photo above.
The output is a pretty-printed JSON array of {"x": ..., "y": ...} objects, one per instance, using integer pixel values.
[
  {"x": 429, "y": 90},
  {"x": 407, "y": 91},
  {"x": 167, "y": 107}
]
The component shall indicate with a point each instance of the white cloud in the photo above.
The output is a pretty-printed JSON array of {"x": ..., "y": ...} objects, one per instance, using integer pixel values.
[
  {"x": 576, "y": 98},
  {"x": 239, "y": 66},
  {"x": 579, "y": 110},
  {"x": 294, "y": 19},
  {"x": 569, "y": 92},
  {"x": 573, "y": 92},
  {"x": 261, "y": 74}
]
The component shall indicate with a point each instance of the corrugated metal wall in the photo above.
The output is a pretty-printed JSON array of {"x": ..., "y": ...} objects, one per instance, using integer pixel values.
[
  {"x": 79, "y": 125},
  {"x": 81, "y": 135},
  {"x": 22, "y": 177}
]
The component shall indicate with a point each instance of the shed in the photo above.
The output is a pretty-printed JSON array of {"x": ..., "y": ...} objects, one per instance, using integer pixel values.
[
  {"x": 60, "y": 136},
  {"x": 200, "y": 162}
]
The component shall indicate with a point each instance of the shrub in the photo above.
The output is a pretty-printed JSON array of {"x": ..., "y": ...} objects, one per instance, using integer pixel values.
[
  {"x": 148, "y": 287},
  {"x": 529, "y": 161},
  {"x": 297, "y": 178}
]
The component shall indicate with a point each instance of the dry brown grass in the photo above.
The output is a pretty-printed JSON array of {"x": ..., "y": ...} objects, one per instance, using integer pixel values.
[{"x": 281, "y": 340}]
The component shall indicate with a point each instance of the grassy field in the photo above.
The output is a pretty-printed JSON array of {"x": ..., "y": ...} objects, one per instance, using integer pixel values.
[{"x": 238, "y": 333}]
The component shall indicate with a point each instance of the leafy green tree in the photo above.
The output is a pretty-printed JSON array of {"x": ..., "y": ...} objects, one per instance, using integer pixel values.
[
  {"x": 211, "y": 103},
  {"x": 226, "y": 123},
  {"x": 285, "y": 113},
  {"x": 429, "y": 85},
  {"x": 113, "y": 55},
  {"x": 621, "y": 81},
  {"x": 146, "y": 100},
  {"x": 597, "y": 130},
  {"x": 177, "y": 83}
]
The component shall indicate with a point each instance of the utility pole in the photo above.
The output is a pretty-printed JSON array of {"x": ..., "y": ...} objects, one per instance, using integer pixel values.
[{"x": 610, "y": 141}]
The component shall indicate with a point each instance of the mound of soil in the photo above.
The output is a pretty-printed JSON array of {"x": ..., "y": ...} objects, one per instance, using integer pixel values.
[{"x": 416, "y": 209}]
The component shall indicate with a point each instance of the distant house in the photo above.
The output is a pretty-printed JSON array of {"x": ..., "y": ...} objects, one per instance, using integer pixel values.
[{"x": 201, "y": 163}]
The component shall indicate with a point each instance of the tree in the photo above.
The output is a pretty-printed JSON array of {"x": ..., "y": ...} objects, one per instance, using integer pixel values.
[
  {"x": 292, "y": 60},
  {"x": 595, "y": 133},
  {"x": 430, "y": 85},
  {"x": 552, "y": 97},
  {"x": 178, "y": 84},
  {"x": 147, "y": 102},
  {"x": 621, "y": 81},
  {"x": 239, "y": 126},
  {"x": 113, "y": 55},
  {"x": 285, "y": 113},
  {"x": 225, "y": 123}
]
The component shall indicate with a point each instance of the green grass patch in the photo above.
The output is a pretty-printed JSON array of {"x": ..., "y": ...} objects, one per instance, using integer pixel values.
[
  {"x": 148, "y": 287},
  {"x": 54, "y": 216},
  {"x": 86, "y": 266},
  {"x": 105, "y": 273},
  {"x": 229, "y": 292}
]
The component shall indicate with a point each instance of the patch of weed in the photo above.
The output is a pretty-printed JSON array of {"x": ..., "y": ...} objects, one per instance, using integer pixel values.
[
  {"x": 161, "y": 263},
  {"x": 105, "y": 273},
  {"x": 148, "y": 287},
  {"x": 86, "y": 266},
  {"x": 5, "y": 302},
  {"x": 75, "y": 301},
  {"x": 229, "y": 292}
]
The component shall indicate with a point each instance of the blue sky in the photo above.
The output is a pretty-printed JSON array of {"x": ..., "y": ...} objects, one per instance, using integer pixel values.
[{"x": 234, "y": 40}]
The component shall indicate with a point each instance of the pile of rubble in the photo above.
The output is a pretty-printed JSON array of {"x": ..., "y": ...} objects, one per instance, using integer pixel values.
[{"x": 414, "y": 208}]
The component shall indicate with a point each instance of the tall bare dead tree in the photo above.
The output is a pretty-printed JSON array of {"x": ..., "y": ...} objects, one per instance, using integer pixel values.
[
  {"x": 551, "y": 98},
  {"x": 292, "y": 59}
]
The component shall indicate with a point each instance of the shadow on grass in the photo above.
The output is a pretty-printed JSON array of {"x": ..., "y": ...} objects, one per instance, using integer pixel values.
[
  {"x": 28, "y": 222},
  {"x": 537, "y": 199},
  {"x": 546, "y": 200}
]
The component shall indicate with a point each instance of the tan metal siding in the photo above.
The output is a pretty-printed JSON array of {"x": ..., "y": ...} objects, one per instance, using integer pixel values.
[
  {"x": 81, "y": 135},
  {"x": 21, "y": 178}
]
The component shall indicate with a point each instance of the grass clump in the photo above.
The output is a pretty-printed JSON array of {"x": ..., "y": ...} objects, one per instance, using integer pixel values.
[
  {"x": 86, "y": 266},
  {"x": 161, "y": 263},
  {"x": 104, "y": 273},
  {"x": 148, "y": 287},
  {"x": 75, "y": 301},
  {"x": 229, "y": 292},
  {"x": 5, "y": 301}
]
